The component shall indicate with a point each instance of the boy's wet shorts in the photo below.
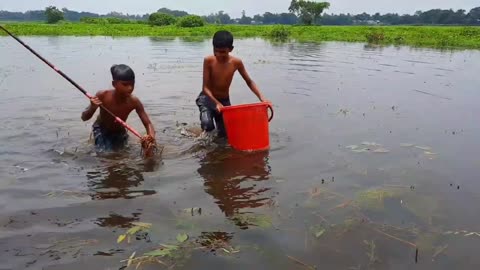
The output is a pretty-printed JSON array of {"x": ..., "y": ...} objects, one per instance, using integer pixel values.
[
  {"x": 209, "y": 114},
  {"x": 105, "y": 141}
]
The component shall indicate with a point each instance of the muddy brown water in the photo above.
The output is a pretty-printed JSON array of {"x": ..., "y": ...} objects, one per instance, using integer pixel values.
[{"x": 374, "y": 151}]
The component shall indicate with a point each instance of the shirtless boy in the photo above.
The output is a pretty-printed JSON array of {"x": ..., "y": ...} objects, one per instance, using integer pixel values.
[
  {"x": 110, "y": 135},
  {"x": 218, "y": 71}
]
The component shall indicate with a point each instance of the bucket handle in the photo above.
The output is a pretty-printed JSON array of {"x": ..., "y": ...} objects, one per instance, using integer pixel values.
[{"x": 271, "y": 112}]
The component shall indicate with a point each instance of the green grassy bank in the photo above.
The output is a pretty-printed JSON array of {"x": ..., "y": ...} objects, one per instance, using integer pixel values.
[{"x": 421, "y": 36}]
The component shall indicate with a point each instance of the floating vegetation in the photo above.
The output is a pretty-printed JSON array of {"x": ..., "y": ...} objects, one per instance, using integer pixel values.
[
  {"x": 182, "y": 237},
  {"x": 371, "y": 252},
  {"x": 217, "y": 241},
  {"x": 171, "y": 255},
  {"x": 463, "y": 233},
  {"x": 251, "y": 219},
  {"x": 423, "y": 36},
  {"x": 318, "y": 231},
  {"x": 279, "y": 33},
  {"x": 138, "y": 227},
  {"x": 374, "y": 199},
  {"x": 365, "y": 147},
  {"x": 155, "y": 256}
]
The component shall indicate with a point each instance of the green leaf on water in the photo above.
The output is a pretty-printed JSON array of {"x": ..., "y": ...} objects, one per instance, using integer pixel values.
[
  {"x": 142, "y": 224},
  {"x": 182, "y": 237},
  {"x": 164, "y": 252},
  {"x": 134, "y": 230},
  {"x": 262, "y": 221},
  {"x": 173, "y": 247},
  {"x": 319, "y": 233},
  {"x": 158, "y": 253},
  {"x": 121, "y": 238}
]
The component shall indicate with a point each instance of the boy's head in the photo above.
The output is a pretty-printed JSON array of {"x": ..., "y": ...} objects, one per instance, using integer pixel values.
[
  {"x": 123, "y": 79},
  {"x": 222, "y": 44}
]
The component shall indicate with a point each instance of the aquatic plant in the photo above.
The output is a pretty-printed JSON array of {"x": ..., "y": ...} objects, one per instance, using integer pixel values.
[
  {"x": 191, "y": 21},
  {"x": 279, "y": 32},
  {"x": 419, "y": 36},
  {"x": 375, "y": 36},
  {"x": 374, "y": 199},
  {"x": 138, "y": 227},
  {"x": 161, "y": 19}
]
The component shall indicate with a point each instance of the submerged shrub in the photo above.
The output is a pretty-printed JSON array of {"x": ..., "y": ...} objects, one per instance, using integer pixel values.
[
  {"x": 191, "y": 21},
  {"x": 375, "y": 36},
  {"x": 279, "y": 32},
  {"x": 161, "y": 19}
]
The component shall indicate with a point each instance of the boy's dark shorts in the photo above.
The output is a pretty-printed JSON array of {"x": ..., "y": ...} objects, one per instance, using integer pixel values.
[
  {"x": 105, "y": 141},
  {"x": 209, "y": 114}
]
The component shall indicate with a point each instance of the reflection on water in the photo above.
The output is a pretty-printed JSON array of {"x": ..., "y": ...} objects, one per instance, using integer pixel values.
[
  {"x": 115, "y": 220},
  {"x": 234, "y": 179},
  {"x": 118, "y": 180}
]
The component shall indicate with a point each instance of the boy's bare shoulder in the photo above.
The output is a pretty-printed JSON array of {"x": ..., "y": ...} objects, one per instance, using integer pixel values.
[
  {"x": 209, "y": 58},
  {"x": 103, "y": 93},
  {"x": 235, "y": 60},
  {"x": 135, "y": 101}
]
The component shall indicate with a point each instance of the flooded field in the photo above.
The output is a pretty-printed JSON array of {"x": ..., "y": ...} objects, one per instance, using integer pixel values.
[{"x": 374, "y": 161}]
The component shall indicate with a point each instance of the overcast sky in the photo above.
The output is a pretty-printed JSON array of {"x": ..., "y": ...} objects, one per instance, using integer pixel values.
[{"x": 234, "y": 7}]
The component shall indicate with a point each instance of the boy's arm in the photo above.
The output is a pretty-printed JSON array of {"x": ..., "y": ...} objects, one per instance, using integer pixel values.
[
  {"x": 145, "y": 119},
  {"x": 206, "y": 83},
  {"x": 95, "y": 102},
  {"x": 251, "y": 84}
]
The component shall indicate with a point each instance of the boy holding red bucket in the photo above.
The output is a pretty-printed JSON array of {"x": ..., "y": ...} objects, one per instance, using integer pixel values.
[{"x": 218, "y": 71}]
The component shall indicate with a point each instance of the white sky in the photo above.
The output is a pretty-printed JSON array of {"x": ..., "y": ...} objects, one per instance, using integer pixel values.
[{"x": 234, "y": 8}]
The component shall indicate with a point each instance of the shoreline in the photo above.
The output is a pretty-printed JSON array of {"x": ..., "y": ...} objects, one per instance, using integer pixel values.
[{"x": 448, "y": 37}]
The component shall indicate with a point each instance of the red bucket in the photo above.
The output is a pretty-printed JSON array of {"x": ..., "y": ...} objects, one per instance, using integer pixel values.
[{"x": 247, "y": 126}]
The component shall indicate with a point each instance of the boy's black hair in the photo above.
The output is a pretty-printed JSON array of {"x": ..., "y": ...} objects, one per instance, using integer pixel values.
[
  {"x": 223, "y": 39},
  {"x": 122, "y": 73}
]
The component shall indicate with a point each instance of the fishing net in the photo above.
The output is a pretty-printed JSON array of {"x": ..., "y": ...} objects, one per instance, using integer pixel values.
[{"x": 149, "y": 146}]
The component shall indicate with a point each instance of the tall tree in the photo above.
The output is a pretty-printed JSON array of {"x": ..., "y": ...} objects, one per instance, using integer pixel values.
[
  {"x": 53, "y": 14},
  {"x": 473, "y": 16},
  {"x": 244, "y": 19},
  {"x": 308, "y": 11}
]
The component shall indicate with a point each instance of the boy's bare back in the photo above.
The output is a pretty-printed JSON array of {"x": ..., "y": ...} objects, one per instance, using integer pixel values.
[{"x": 218, "y": 75}]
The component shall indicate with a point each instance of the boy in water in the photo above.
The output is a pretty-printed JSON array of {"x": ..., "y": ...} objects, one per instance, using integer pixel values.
[
  {"x": 218, "y": 71},
  {"x": 110, "y": 135}
]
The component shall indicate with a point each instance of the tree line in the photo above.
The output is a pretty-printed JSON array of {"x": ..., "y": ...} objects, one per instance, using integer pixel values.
[{"x": 300, "y": 12}]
